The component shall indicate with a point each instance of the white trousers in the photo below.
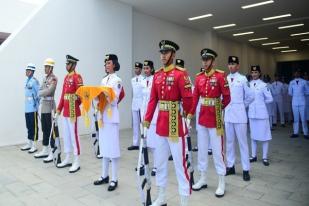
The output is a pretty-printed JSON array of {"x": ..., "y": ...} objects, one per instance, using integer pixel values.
[
  {"x": 70, "y": 136},
  {"x": 105, "y": 168},
  {"x": 299, "y": 112},
  {"x": 204, "y": 137},
  {"x": 265, "y": 145},
  {"x": 239, "y": 131},
  {"x": 278, "y": 105},
  {"x": 136, "y": 127},
  {"x": 164, "y": 146}
]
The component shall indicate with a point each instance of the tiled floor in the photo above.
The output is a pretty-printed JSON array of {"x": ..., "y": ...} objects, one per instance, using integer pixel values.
[{"x": 28, "y": 181}]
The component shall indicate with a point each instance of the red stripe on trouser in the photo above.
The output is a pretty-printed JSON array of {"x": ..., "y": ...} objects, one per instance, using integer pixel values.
[
  {"x": 222, "y": 148},
  {"x": 76, "y": 138},
  {"x": 184, "y": 165}
]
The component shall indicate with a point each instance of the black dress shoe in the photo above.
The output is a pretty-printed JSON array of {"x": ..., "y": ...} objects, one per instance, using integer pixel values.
[
  {"x": 170, "y": 158},
  {"x": 101, "y": 181},
  {"x": 265, "y": 162},
  {"x": 141, "y": 170},
  {"x": 112, "y": 186},
  {"x": 153, "y": 172},
  {"x": 306, "y": 136},
  {"x": 133, "y": 148},
  {"x": 294, "y": 136},
  {"x": 230, "y": 171},
  {"x": 253, "y": 159},
  {"x": 210, "y": 152},
  {"x": 195, "y": 149},
  {"x": 246, "y": 175}
]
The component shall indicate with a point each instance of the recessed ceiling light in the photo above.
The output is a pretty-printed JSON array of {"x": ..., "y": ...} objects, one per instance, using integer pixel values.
[
  {"x": 224, "y": 26},
  {"x": 298, "y": 34},
  {"x": 304, "y": 40},
  {"x": 244, "y": 33},
  {"x": 271, "y": 43},
  {"x": 259, "y": 39},
  {"x": 291, "y": 50},
  {"x": 276, "y": 17},
  {"x": 290, "y": 26},
  {"x": 199, "y": 17},
  {"x": 257, "y": 4},
  {"x": 281, "y": 47}
]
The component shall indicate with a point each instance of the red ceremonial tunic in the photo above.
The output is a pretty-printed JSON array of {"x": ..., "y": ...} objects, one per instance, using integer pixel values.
[
  {"x": 170, "y": 87},
  {"x": 210, "y": 86},
  {"x": 69, "y": 101}
]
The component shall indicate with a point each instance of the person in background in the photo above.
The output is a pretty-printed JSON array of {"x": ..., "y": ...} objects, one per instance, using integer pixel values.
[
  {"x": 258, "y": 115},
  {"x": 278, "y": 93},
  {"x": 31, "y": 109},
  {"x": 298, "y": 90}
]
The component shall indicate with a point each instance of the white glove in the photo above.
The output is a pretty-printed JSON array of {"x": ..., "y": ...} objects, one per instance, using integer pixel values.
[
  {"x": 145, "y": 132},
  {"x": 188, "y": 122},
  {"x": 56, "y": 117}
]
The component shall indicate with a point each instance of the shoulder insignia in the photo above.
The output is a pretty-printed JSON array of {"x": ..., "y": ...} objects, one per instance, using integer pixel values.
[
  {"x": 179, "y": 68},
  {"x": 220, "y": 71},
  {"x": 159, "y": 70},
  {"x": 199, "y": 73}
]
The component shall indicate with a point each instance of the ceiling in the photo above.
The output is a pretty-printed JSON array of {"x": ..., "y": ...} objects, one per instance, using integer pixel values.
[{"x": 230, "y": 11}]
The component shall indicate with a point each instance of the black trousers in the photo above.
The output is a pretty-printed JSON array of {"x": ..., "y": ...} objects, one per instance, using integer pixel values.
[
  {"x": 32, "y": 125},
  {"x": 46, "y": 121}
]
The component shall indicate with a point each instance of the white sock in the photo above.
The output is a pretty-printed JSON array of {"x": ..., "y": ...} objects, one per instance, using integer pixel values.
[
  {"x": 253, "y": 147},
  {"x": 105, "y": 166},
  {"x": 115, "y": 169},
  {"x": 265, "y": 149}
]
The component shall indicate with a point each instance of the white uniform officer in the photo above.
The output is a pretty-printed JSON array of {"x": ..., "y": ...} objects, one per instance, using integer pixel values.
[
  {"x": 235, "y": 118},
  {"x": 287, "y": 104},
  {"x": 109, "y": 132},
  {"x": 151, "y": 135},
  {"x": 270, "y": 107},
  {"x": 137, "y": 101},
  {"x": 258, "y": 115},
  {"x": 31, "y": 109},
  {"x": 278, "y": 92},
  {"x": 298, "y": 89}
]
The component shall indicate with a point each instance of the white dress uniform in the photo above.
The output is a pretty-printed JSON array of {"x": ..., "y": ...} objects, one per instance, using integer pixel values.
[
  {"x": 151, "y": 132},
  {"x": 109, "y": 131},
  {"x": 287, "y": 104},
  {"x": 258, "y": 116},
  {"x": 298, "y": 89},
  {"x": 307, "y": 102},
  {"x": 137, "y": 101},
  {"x": 236, "y": 120},
  {"x": 270, "y": 107},
  {"x": 278, "y": 92}
]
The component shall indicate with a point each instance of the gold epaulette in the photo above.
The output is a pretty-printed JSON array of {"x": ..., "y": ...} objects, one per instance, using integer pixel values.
[
  {"x": 220, "y": 71},
  {"x": 180, "y": 68},
  {"x": 159, "y": 70}
]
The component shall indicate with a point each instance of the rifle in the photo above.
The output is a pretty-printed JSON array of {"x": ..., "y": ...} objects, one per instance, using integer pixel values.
[
  {"x": 189, "y": 157},
  {"x": 57, "y": 147},
  {"x": 95, "y": 135},
  {"x": 143, "y": 157}
]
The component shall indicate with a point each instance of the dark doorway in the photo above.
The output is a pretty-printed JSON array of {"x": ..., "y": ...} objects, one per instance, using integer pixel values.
[{"x": 286, "y": 69}]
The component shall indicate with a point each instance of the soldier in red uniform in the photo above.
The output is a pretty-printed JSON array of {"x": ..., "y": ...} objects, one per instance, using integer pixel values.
[
  {"x": 69, "y": 103},
  {"x": 171, "y": 87},
  {"x": 210, "y": 87}
]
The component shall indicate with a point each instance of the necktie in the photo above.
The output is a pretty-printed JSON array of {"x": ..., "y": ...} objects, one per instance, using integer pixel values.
[
  {"x": 147, "y": 82},
  {"x": 136, "y": 79},
  {"x": 232, "y": 79},
  {"x": 296, "y": 81},
  {"x": 254, "y": 84}
]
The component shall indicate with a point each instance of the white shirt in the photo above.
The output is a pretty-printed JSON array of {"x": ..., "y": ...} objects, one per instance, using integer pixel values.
[
  {"x": 113, "y": 81},
  {"x": 147, "y": 85},
  {"x": 258, "y": 109},
  {"x": 137, "y": 97},
  {"x": 298, "y": 88},
  {"x": 241, "y": 97},
  {"x": 277, "y": 89}
]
